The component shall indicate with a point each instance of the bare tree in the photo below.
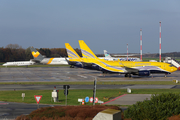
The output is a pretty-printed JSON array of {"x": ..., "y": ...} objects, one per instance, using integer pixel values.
[{"x": 13, "y": 46}]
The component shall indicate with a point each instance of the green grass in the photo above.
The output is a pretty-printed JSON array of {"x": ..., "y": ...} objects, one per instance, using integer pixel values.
[
  {"x": 91, "y": 83},
  {"x": 72, "y": 98}
]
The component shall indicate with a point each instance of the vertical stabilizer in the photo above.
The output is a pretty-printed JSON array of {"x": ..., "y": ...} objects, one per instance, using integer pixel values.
[
  {"x": 86, "y": 51},
  {"x": 106, "y": 54},
  {"x": 72, "y": 54},
  {"x": 36, "y": 54}
]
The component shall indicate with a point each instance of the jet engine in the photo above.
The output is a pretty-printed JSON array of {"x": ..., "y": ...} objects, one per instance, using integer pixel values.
[
  {"x": 95, "y": 67},
  {"x": 144, "y": 73},
  {"x": 79, "y": 64}
]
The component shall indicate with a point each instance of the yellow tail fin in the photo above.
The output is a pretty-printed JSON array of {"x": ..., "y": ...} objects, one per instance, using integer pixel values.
[
  {"x": 86, "y": 51},
  {"x": 72, "y": 54}
]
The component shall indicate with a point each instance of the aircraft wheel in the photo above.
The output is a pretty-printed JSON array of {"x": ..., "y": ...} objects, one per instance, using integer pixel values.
[
  {"x": 71, "y": 66},
  {"x": 126, "y": 75}
]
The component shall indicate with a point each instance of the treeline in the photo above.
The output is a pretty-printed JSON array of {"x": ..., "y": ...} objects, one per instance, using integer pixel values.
[{"x": 14, "y": 52}]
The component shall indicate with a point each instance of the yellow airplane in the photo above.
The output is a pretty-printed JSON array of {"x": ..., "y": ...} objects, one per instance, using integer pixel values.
[
  {"x": 126, "y": 67},
  {"x": 75, "y": 59}
]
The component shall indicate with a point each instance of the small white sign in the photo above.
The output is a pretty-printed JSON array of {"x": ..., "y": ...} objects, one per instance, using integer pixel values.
[
  {"x": 23, "y": 94},
  {"x": 80, "y": 100},
  {"x": 177, "y": 81},
  {"x": 54, "y": 94},
  {"x": 128, "y": 90},
  {"x": 100, "y": 101}
]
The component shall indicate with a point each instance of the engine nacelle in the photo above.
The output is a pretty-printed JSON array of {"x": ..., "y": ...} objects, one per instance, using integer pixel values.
[
  {"x": 95, "y": 67},
  {"x": 79, "y": 64},
  {"x": 144, "y": 73}
]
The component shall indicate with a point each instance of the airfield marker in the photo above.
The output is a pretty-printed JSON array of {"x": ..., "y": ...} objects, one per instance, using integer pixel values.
[{"x": 38, "y": 98}]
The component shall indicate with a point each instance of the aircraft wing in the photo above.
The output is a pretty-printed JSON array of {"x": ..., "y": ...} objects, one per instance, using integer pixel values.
[
  {"x": 70, "y": 62},
  {"x": 131, "y": 70},
  {"x": 34, "y": 60},
  {"x": 87, "y": 64}
]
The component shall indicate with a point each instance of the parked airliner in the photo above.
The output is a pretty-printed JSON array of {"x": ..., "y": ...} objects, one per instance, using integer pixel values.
[
  {"x": 50, "y": 61},
  {"x": 125, "y": 67},
  {"x": 19, "y": 63},
  {"x": 109, "y": 57}
]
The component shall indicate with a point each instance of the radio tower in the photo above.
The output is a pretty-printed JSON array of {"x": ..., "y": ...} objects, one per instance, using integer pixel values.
[
  {"x": 141, "y": 43},
  {"x": 127, "y": 52},
  {"x": 160, "y": 42}
]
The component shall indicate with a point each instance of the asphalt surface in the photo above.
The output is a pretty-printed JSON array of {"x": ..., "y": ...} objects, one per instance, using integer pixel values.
[
  {"x": 10, "y": 110},
  {"x": 56, "y": 74},
  {"x": 60, "y": 87}
]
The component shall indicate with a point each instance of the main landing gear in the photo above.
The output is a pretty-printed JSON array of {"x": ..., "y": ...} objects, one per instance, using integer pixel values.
[
  {"x": 128, "y": 75},
  {"x": 72, "y": 66}
]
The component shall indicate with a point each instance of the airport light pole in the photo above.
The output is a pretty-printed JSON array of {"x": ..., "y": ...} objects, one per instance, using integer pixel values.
[
  {"x": 160, "y": 42},
  {"x": 141, "y": 43},
  {"x": 127, "y": 52}
]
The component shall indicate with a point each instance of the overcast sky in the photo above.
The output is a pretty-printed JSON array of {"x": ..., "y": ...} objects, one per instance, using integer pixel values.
[{"x": 102, "y": 24}]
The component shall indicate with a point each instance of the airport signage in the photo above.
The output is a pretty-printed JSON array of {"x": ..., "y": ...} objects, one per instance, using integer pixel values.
[
  {"x": 80, "y": 100},
  {"x": 66, "y": 87},
  {"x": 38, "y": 98},
  {"x": 91, "y": 99},
  {"x": 96, "y": 100},
  {"x": 87, "y": 99},
  {"x": 99, "y": 101},
  {"x": 23, "y": 95}
]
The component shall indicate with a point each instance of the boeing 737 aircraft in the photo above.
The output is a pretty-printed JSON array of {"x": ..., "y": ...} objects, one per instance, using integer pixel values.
[
  {"x": 19, "y": 63},
  {"x": 50, "y": 61},
  {"x": 126, "y": 67},
  {"x": 74, "y": 59}
]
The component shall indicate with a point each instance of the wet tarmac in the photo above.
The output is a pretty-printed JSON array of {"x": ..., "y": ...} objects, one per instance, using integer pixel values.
[{"x": 55, "y": 74}]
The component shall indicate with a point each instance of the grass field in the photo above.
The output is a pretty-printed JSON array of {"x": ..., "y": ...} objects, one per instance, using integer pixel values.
[
  {"x": 72, "y": 98},
  {"x": 91, "y": 83}
]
